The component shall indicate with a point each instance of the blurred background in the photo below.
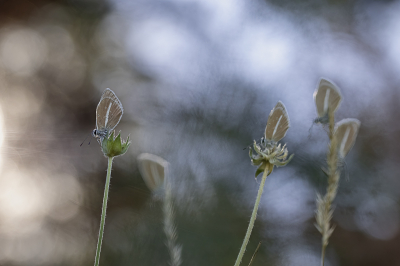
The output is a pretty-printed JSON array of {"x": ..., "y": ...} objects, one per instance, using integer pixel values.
[{"x": 197, "y": 80}]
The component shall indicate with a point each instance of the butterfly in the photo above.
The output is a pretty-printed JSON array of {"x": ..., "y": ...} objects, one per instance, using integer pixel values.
[
  {"x": 327, "y": 98},
  {"x": 108, "y": 114},
  {"x": 346, "y": 132},
  {"x": 277, "y": 125},
  {"x": 153, "y": 169}
]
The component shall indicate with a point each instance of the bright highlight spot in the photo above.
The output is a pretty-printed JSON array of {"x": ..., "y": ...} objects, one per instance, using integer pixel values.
[
  {"x": 20, "y": 197},
  {"x": 22, "y": 51}
]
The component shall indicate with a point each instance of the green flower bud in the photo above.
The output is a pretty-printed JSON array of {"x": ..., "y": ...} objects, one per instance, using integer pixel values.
[{"x": 114, "y": 147}]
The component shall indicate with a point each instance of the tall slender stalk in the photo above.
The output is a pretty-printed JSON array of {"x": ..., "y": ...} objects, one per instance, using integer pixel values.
[
  {"x": 269, "y": 153},
  {"x": 103, "y": 212},
  {"x": 155, "y": 172},
  {"x": 324, "y": 205},
  {"x": 174, "y": 249},
  {"x": 253, "y": 217}
]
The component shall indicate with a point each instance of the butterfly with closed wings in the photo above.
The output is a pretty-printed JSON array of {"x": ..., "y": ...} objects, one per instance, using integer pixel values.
[
  {"x": 327, "y": 98},
  {"x": 277, "y": 125},
  {"x": 108, "y": 114}
]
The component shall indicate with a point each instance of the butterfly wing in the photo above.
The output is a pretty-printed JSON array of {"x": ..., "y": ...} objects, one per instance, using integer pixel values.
[
  {"x": 153, "y": 170},
  {"x": 278, "y": 123},
  {"x": 346, "y": 133},
  {"x": 327, "y": 97},
  {"x": 109, "y": 111}
]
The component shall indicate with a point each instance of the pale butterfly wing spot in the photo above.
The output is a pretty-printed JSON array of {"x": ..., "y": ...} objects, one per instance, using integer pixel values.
[
  {"x": 344, "y": 142},
  {"x": 157, "y": 171},
  {"x": 109, "y": 111},
  {"x": 107, "y": 114},
  {"x": 156, "y": 174},
  {"x": 339, "y": 133},
  {"x": 148, "y": 176},
  {"x": 350, "y": 136},
  {"x": 278, "y": 123},
  {"x": 326, "y": 100},
  {"x": 270, "y": 127}
]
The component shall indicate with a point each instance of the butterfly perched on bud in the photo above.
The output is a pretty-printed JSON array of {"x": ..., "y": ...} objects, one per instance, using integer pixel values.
[
  {"x": 270, "y": 153},
  {"x": 277, "y": 125}
]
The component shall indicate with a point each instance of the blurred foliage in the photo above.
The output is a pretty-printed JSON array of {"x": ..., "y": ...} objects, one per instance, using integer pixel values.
[{"x": 197, "y": 80}]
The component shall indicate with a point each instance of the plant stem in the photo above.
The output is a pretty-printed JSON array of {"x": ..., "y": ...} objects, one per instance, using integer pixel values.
[
  {"x": 323, "y": 255},
  {"x": 103, "y": 212},
  {"x": 253, "y": 218},
  {"x": 333, "y": 183},
  {"x": 169, "y": 226}
]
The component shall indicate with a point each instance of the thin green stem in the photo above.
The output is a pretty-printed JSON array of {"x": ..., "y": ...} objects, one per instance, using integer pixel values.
[
  {"x": 103, "y": 212},
  {"x": 253, "y": 218},
  {"x": 323, "y": 255}
]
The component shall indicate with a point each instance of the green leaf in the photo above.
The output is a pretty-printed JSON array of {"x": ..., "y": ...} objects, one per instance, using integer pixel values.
[
  {"x": 259, "y": 170},
  {"x": 117, "y": 145}
]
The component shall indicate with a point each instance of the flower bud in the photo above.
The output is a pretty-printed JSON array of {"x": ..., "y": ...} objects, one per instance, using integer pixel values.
[{"x": 114, "y": 147}]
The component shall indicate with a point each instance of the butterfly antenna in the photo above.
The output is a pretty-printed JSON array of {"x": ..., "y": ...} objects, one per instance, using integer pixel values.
[
  {"x": 85, "y": 140},
  {"x": 90, "y": 141}
]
